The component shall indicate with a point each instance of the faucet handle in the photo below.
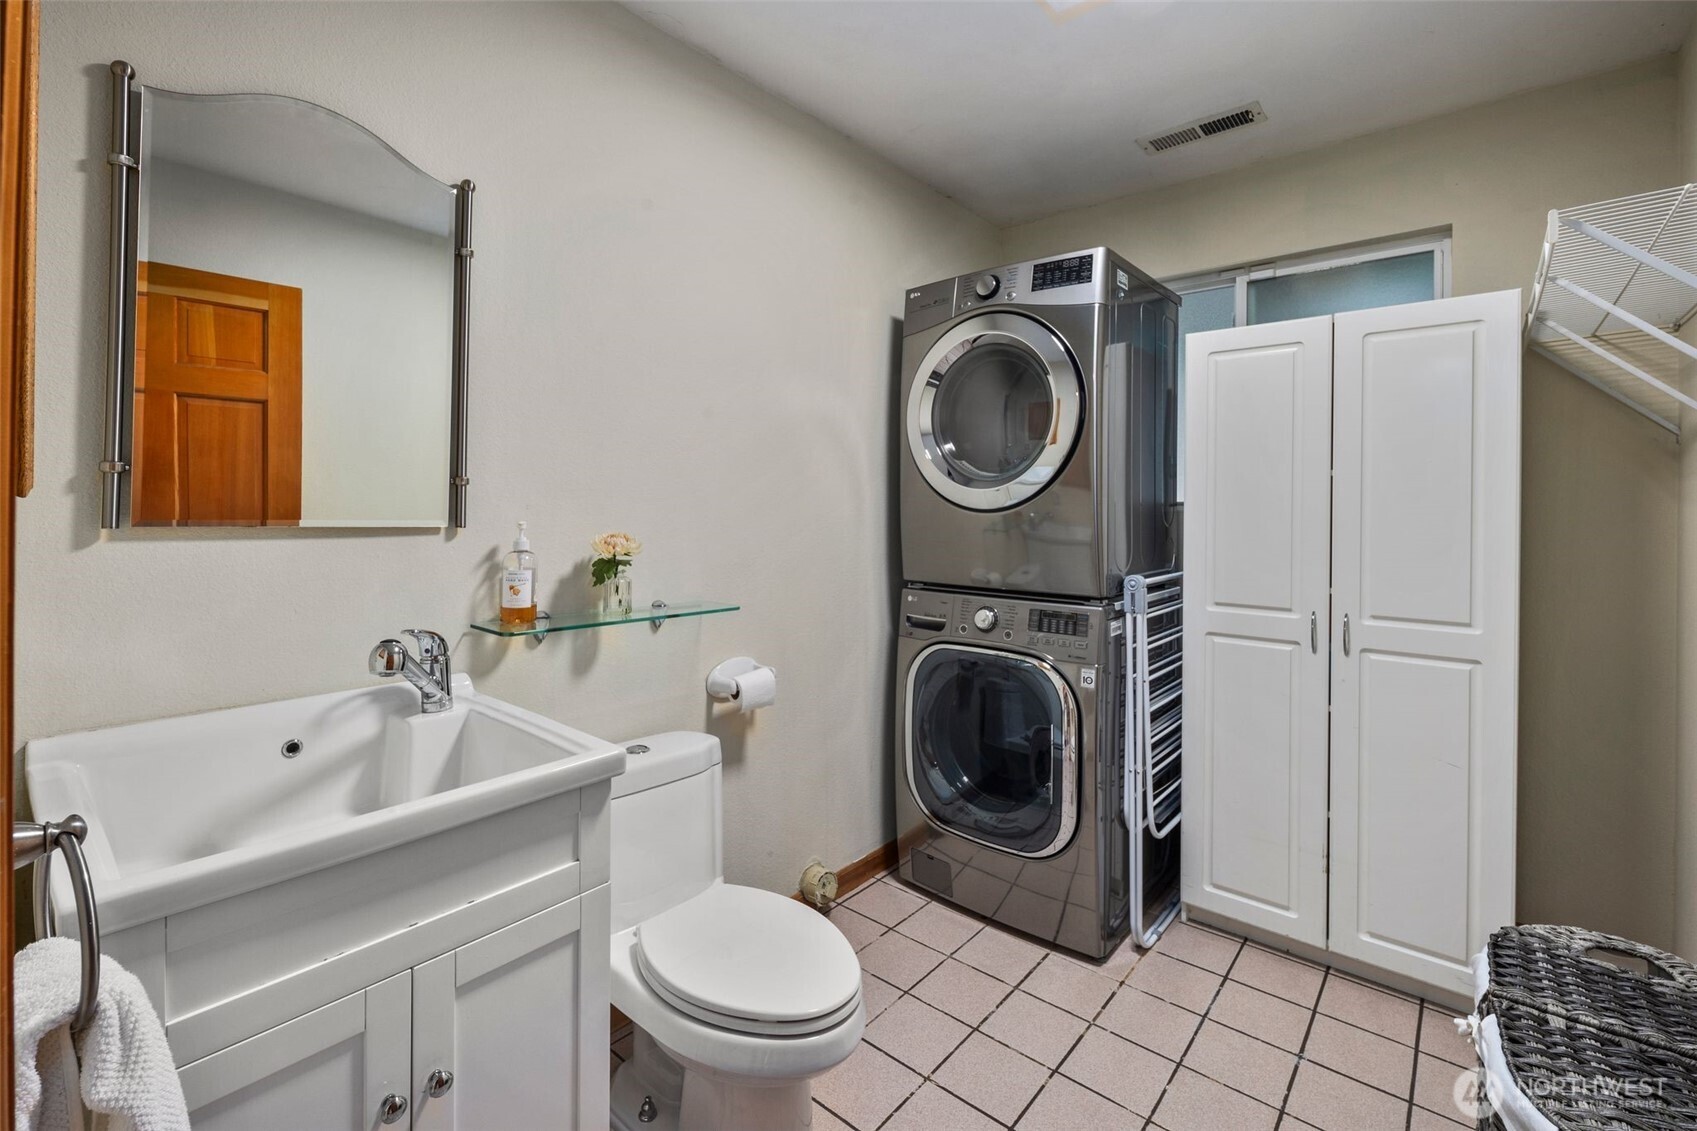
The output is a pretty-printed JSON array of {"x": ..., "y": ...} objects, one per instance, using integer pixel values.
[{"x": 431, "y": 645}]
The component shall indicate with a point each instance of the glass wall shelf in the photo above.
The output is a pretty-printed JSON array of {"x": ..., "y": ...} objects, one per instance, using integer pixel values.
[{"x": 595, "y": 618}]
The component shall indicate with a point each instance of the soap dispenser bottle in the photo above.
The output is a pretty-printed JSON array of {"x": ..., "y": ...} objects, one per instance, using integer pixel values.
[{"x": 518, "y": 583}]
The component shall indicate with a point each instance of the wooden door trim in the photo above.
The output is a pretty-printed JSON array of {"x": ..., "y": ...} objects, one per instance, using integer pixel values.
[
  {"x": 191, "y": 282},
  {"x": 19, "y": 65}
]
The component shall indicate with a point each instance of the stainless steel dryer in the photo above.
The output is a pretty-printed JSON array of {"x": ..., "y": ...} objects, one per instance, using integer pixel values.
[
  {"x": 1010, "y": 764},
  {"x": 1039, "y": 411}
]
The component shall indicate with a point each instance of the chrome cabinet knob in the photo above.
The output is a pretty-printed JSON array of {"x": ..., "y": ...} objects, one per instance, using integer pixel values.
[
  {"x": 438, "y": 1082},
  {"x": 392, "y": 1108}
]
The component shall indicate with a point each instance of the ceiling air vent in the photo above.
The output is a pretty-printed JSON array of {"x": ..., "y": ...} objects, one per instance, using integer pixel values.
[{"x": 1244, "y": 115}]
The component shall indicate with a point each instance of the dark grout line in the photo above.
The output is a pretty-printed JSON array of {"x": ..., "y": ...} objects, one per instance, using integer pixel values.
[
  {"x": 1301, "y": 1053},
  {"x": 1414, "y": 1070},
  {"x": 905, "y": 1099},
  {"x": 1191, "y": 1043},
  {"x": 1012, "y": 988}
]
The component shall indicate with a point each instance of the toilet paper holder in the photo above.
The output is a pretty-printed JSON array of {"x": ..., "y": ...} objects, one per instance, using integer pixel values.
[{"x": 722, "y": 680}]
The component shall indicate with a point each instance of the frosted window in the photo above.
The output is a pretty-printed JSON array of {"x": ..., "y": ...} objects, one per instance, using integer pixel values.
[
  {"x": 1212, "y": 309},
  {"x": 1378, "y": 282}
]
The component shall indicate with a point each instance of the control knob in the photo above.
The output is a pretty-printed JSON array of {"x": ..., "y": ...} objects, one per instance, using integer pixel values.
[
  {"x": 987, "y": 285},
  {"x": 985, "y": 619}
]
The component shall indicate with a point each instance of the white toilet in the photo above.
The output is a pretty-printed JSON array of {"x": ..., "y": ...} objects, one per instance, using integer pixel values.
[{"x": 740, "y": 996}]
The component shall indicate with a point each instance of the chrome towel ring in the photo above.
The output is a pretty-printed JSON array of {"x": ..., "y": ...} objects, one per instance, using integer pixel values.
[{"x": 34, "y": 844}]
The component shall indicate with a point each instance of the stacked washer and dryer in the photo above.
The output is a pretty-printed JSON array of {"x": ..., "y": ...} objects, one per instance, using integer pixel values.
[{"x": 1039, "y": 474}]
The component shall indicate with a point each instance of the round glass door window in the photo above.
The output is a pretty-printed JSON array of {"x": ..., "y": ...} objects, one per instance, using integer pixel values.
[
  {"x": 992, "y": 748},
  {"x": 994, "y": 411}
]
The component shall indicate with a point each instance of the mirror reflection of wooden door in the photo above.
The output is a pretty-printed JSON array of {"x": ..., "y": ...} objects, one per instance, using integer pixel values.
[{"x": 217, "y": 437}]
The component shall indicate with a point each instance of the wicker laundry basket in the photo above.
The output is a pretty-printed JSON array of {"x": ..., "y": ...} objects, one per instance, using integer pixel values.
[{"x": 1583, "y": 1031}]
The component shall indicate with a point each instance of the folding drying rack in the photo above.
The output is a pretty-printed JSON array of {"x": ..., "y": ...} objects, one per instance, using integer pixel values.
[{"x": 1154, "y": 761}]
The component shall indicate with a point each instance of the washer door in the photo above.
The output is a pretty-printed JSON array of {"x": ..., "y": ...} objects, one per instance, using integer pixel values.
[
  {"x": 994, "y": 411},
  {"x": 993, "y": 748}
]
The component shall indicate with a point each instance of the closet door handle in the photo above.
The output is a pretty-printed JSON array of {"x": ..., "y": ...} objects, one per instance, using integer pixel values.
[
  {"x": 1314, "y": 632},
  {"x": 1346, "y": 634}
]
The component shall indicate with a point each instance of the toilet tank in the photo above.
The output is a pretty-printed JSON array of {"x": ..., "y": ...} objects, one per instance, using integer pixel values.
[{"x": 667, "y": 842}]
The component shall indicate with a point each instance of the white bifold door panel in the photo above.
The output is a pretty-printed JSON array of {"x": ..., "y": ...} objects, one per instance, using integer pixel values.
[
  {"x": 1426, "y": 567},
  {"x": 329, "y": 1070},
  {"x": 1257, "y": 475},
  {"x": 1352, "y": 553}
]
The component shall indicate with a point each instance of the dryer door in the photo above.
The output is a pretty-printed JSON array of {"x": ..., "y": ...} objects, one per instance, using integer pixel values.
[
  {"x": 993, "y": 748},
  {"x": 994, "y": 411}
]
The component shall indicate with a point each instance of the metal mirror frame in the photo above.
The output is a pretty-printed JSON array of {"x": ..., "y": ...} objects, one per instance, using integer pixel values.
[{"x": 124, "y": 161}]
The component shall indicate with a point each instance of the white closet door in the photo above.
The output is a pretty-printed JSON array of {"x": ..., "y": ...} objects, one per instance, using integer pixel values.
[
  {"x": 1258, "y": 532},
  {"x": 1426, "y": 566}
]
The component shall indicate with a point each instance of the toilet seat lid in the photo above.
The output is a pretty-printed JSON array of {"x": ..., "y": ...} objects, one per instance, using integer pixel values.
[{"x": 745, "y": 953}]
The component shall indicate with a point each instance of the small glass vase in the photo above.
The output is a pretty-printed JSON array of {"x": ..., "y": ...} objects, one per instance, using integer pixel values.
[{"x": 615, "y": 594}]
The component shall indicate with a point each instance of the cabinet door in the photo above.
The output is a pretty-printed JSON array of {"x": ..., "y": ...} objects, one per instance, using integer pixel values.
[
  {"x": 1257, "y": 538},
  {"x": 1426, "y": 566},
  {"x": 506, "y": 1015},
  {"x": 328, "y": 1070}
]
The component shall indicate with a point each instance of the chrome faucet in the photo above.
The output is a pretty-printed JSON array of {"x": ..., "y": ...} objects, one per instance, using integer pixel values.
[{"x": 432, "y": 673}]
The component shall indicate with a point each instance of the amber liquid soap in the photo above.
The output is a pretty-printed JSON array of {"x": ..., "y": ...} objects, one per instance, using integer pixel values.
[{"x": 518, "y": 583}]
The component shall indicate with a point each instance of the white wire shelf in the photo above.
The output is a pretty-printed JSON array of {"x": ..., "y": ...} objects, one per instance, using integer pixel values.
[{"x": 1615, "y": 283}]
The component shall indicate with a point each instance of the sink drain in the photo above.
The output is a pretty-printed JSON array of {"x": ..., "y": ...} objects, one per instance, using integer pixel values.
[{"x": 292, "y": 747}]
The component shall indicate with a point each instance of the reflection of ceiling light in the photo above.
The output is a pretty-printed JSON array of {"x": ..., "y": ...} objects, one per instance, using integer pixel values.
[{"x": 1063, "y": 10}]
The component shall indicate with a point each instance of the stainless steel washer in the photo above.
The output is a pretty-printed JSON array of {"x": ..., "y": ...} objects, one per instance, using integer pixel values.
[
  {"x": 1010, "y": 765},
  {"x": 1039, "y": 413}
]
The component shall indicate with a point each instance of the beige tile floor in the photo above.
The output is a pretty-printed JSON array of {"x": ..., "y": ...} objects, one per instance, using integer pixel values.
[{"x": 974, "y": 1028}]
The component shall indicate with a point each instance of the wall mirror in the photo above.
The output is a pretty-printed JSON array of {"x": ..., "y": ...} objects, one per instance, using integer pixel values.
[{"x": 287, "y": 334}]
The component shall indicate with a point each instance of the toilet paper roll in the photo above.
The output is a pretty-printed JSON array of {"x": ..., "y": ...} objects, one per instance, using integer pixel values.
[{"x": 756, "y": 689}]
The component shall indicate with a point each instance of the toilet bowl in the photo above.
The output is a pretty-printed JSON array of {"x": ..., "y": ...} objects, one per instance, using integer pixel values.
[{"x": 739, "y": 996}]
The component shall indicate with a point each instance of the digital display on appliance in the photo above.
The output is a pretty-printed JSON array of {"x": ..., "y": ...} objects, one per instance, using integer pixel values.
[
  {"x": 1062, "y": 272},
  {"x": 1048, "y": 622}
]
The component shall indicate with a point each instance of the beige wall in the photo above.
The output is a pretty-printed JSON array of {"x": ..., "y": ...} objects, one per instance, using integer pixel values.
[
  {"x": 684, "y": 306},
  {"x": 1686, "y": 794},
  {"x": 1601, "y": 485}
]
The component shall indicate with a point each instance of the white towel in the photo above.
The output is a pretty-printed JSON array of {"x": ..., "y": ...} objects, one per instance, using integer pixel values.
[
  {"x": 127, "y": 1070},
  {"x": 46, "y": 983}
]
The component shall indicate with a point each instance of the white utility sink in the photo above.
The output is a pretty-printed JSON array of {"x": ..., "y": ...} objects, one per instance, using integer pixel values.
[{"x": 186, "y": 811}]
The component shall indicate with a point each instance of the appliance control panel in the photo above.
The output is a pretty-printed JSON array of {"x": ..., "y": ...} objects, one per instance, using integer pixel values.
[
  {"x": 991, "y": 288},
  {"x": 1066, "y": 272},
  {"x": 1055, "y": 629},
  {"x": 1073, "y": 278}
]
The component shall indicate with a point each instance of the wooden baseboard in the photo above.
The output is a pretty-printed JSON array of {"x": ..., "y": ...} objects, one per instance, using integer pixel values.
[{"x": 874, "y": 863}]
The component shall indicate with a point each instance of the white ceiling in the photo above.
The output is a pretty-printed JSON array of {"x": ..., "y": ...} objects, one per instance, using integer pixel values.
[{"x": 1020, "y": 108}]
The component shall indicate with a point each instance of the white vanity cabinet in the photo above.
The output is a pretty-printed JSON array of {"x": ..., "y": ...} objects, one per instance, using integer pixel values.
[
  {"x": 329, "y": 1069},
  {"x": 490, "y": 1035},
  {"x": 329, "y": 899},
  {"x": 1351, "y": 632},
  {"x": 480, "y": 951},
  {"x": 506, "y": 1016}
]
